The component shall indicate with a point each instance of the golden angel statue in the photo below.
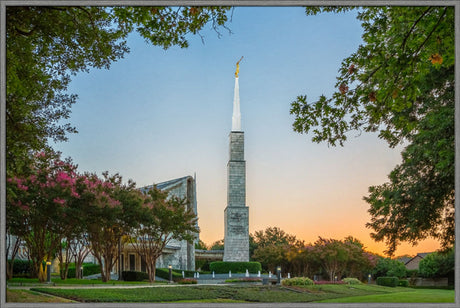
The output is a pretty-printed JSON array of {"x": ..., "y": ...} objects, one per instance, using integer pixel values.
[{"x": 238, "y": 67}]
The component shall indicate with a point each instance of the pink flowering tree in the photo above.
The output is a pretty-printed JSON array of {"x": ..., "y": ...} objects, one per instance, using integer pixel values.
[
  {"x": 110, "y": 215},
  {"x": 38, "y": 206}
]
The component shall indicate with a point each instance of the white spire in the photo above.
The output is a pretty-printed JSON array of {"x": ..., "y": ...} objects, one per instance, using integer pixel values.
[{"x": 236, "y": 118}]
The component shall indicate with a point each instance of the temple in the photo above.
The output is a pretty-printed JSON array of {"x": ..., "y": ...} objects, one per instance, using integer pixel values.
[{"x": 236, "y": 214}]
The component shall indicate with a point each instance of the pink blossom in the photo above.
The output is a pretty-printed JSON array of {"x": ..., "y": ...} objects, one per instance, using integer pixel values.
[
  {"x": 22, "y": 187},
  {"x": 59, "y": 201},
  {"x": 73, "y": 193},
  {"x": 33, "y": 178}
]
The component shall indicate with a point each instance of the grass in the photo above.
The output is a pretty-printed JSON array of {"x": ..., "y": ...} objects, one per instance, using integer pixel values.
[
  {"x": 72, "y": 281},
  {"x": 408, "y": 296},
  {"x": 255, "y": 293},
  {"x": 26, "y": 296}
]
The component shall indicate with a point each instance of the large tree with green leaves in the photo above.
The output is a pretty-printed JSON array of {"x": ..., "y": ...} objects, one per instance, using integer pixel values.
[
  {"x": 164, "y": 219},
  {"x": 399, "y": 83},
  {"x": 46, "y": 45}
]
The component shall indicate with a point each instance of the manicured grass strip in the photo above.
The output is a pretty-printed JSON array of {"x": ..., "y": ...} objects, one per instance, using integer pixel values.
[
  {"x": 26, "y": 296},
  {"x": 413, "y": 296},
  {"x": 164, "y": 294},
  {"x": 74, "y": 281}
]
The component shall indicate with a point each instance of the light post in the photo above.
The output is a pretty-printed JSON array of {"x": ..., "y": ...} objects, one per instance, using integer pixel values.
[
  {"x": 369, "y": 277},
  {"x": 81, "y": 272},
  {"x": 170, "y": 273},
  {"x": 48, "y": 271},
  {"x": 278, "y": 274}
]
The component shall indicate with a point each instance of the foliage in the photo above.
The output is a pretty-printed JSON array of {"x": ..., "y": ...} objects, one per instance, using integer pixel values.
[
  {"x": 41, "y": 206},
  {"x": 437, "y": 264},
  {"x": 21, "y": 267},
  {"x": 187, "y": 281},
  {"x": 399, "y": 82},
  {"x": 297, "y": 281},
  {"x": 221, "y": 267},
  {"x": 403, "y": 283},
  {"x": 163, "y": 218},
  {"x": 164, "y": 273},
  {"x": 387, "y": 281},
  {"x": 351, "y": 280},
  {"x": 218, "y": 245},
  {"x": 201, "y": 245},
  {"x": 45, "y": 45},
  {"x": 243, "y": 280},
  {"x": 134, "y": 276},
  {"x": 88, "y": 269},
  {"x": 389, "y": 267},
  {"x": 271, "y": 247}
]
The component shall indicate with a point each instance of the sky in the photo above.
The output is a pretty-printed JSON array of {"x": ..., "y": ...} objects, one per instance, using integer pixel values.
[{"x": 161, "y": 114}]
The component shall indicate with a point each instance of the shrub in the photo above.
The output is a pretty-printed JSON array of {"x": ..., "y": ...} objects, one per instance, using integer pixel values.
[
  {"x": 387, "y": 267},
  {"x": 164, "y": 273},
  {"x": 21, "y": 267},
  {"x": 403, "y": 283},
  {"x": 329, "y": 282},
  {"x": 297, "y": 281},
  {"x": 387, "y": 281},
  {"x": 351, "y": 280},
  {"x": 220, "y": 267},
  {"x": 134, "y": 276},
  {"x": 187, "y": 281},
  {"x": 238, "y": 280},
  {"x": 88, "y": 269}
]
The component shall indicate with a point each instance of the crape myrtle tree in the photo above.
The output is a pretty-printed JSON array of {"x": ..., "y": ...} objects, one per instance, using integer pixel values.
[
  {"x": 399, "y": 83},
  {"x": 112, "y": 211},
  {"x": 41, "y": 206},
  {"x": 164, "y": 218},
  {"x": 46, "y": 45}
]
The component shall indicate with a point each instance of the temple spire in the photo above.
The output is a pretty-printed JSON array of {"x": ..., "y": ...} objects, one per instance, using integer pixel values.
[{"x": 236, "y": 118}]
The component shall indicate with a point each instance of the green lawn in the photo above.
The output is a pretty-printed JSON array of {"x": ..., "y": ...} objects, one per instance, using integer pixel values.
[
  {"x": 411, "y": 296},
  {"x": 255, "y": 293},
  {"x": 72, "y": 281}
]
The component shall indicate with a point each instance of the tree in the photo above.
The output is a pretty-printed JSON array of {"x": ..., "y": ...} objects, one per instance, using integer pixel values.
[
  {"x": 40, "y": 206},
  {"x": 272, "y": 246},
  {"x": 438, "y": 264},
  {"x": 387, "y": 267},
  {"x": 218, "y": 245},
  {"x": 111, "y": 211},
  {"x": 201, "y": 245},
  {"x": 400, "y": 82},
  {"x": 333, "y": 257},
  {"x": 164, "y": 219},
  {"x": 45, "y": 45}
]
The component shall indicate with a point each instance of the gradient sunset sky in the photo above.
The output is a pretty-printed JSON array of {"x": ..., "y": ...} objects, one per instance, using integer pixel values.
[{"x": 157, "y": 115}]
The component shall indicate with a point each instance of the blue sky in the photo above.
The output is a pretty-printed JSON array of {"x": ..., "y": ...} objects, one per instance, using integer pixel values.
[{"x": 158, "y": 115}]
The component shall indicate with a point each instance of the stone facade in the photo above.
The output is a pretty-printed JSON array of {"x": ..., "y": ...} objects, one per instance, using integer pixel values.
[{"x": 236, "y": 215}]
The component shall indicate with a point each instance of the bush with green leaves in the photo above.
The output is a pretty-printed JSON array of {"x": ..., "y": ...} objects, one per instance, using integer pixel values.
[
  {"x": 387, "y": 267},
  {"x": 21, "y": 267},
  {"x": 187, "y": 281},
  {"x": 164, "y": 273},
  {"x": 437, "y": 264},
  {"x": 88, "y": 269},
  {"x": 220, "y": 267},
  {"x": 351, "y": 280},
  {"x": 297, "y": 281},
  {"x": 387, "y": 281},
  {"x": 134, "y": 276},
  {"x": 403, "y": 283}
]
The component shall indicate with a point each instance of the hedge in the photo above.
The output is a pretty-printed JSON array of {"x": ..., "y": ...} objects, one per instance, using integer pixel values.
[
  {"x": 164, "y": 273},
  {"x": 351, "y": 280},
  {"x": 388, "y": 281},
  {"x": 220, "y": 267},
  {"x": 134, "y": 276},
  {"x": 403, "y": 283},
  {"x": 297, "y": 281},
  {"x": 21, "y": 267}
]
